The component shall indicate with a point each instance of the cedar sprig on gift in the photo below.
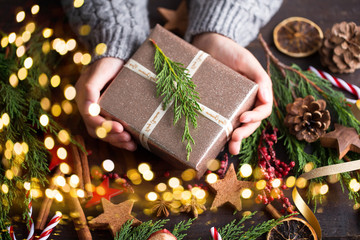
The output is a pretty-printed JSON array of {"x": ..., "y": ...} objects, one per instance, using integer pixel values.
[{"x": 174, "y": 84}]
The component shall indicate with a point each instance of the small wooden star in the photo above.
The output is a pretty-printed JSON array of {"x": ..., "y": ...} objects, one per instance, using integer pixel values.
[
  {"x": 228, "y": 189},
  {"x": 115, "y": 215},
  {"x": 343, "y": 138},
  {"x": 177, "y": 20}
]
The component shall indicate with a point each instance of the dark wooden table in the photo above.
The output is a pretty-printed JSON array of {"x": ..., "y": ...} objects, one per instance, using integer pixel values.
[{"x": 336, "y": 215}]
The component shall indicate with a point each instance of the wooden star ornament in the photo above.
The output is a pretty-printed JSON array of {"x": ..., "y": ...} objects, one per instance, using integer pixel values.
[
  {"x": 176, "y": 20},
  {"x": 228, "y": 190},
  {"x": 115, "y": 215},
  {"x": 343, "y": 138}
]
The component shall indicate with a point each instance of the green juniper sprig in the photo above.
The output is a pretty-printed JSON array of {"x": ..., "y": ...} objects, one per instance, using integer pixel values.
[{"x": 175, "y": 85}]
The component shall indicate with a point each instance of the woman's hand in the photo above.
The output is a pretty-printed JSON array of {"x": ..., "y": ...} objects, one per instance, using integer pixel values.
[
  {"x": 241, "y": 60},
  {"x": 88, "y": 88}
]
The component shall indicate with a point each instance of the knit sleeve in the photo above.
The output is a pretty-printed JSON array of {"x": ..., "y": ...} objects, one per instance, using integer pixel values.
[
  {"x": 121, "y": 24},
  {"x": 239, "y": 20}
]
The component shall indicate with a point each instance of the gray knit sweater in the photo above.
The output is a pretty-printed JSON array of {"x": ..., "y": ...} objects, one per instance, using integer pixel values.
[{"x": 123, "y": 24}]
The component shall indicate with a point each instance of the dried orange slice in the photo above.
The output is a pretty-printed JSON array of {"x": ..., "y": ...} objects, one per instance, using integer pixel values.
[
  {"x": 298, "y": 37},
  {"x": 292, "y": 228}
]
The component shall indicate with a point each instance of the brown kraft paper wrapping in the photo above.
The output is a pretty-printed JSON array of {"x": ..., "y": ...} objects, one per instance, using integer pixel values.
[{"x": 131, "y": 99}]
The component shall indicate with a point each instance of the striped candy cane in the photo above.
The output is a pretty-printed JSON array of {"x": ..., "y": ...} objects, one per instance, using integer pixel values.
[
  {"x": 214, "y": 234},
  {"x": 50, "y": 226},
  {"x": 337, "y": 82}
]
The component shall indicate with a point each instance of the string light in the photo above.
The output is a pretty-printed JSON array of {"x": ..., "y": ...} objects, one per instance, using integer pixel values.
[
  {"x": 19, "y": 41},
  {"x": 174, "y": 182},
  {"x": 290, "y": 181},
  {"x": 58, "y": 196},
  {"x": 30, "y": 27},
  {"x": 77, "y": 57},
  {"x": 213, "y": 165},
  {"x": 56, "y": 110},
  {"x": 49, "y": 193},
  {"x": 22, "y": 73},
  {"x": 161, "y": 187},
  {"x": 25, "y": 147},
  {"x": 188, "y": 174},
  {"x": 324, "y": 189},
  {"x": 211, "y": 178},
  {"x": 35, "y": 9},
  {"x": 94, "y": 109},
  {"x": 46, "y": 47},
  {"x": 151, "y": 196},
  {"x": 143, "y": 167},
  {"x": 28, "y": 62},
  {"x": 74, "y": 181},
  {"x": 148, "y": 175},
  {"x": 60, "y": 181},
  {"x": 70, "y": 44},
  {"x": 101, "y": 132},
  {"x": 45, "y": 103},
  {"x": 245, "y": 170},
  {"x": 55, "y": 81},
  {"x": 26, "y": 36},
  {"x": 20, "y": 16},
  {"x": 80, "y": 193},
  {"x": 43, "y": 79},
  {"x": 85, "y": 59},
  {"x": 64, "y": 137},
  {"x": 5, "y": 119},
  {"x": 276, "y": 183},
  {"x": 67, "y": 107},
  {"x": 44, "y": 120},
  {"x": 27, "y": 186},
  {"x": 108, "y": 165},
  {"x": 20, "y": 51},
  {"x": 4, "y": 188},
  {"x": 260, "y": 185},
  {"x": 246, "y": 193},
  {"x": 13, "y": 80},
  {"x": 61, "y": 153},
  {"x": 18, "y": 148},
  {"x": 354, "y": 185},
  {"x": 12, "y": 37},
  {"x": 64, "y": 168},
  {"x": 78, "y": 3},
  {"x": 186, "y": 195},
  {"x": 100, "y": 49},
  {"x": 69, "y": 92},
  {"x": 4, "y": 41},
  {"x": 47, "y": 32},
  {"x": 9, "y": 174}
]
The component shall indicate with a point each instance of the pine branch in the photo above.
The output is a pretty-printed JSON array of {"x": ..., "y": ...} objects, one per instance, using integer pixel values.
[
  {"x": 174, "y": 84},
  {"x": 143, "y": 231},
  {"x": 181, "y": 227}
]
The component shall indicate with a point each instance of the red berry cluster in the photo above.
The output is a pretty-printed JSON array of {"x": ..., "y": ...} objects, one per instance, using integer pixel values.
[
  {"x": 271, "y": 169},
  {"x": 122, "y": 181}
]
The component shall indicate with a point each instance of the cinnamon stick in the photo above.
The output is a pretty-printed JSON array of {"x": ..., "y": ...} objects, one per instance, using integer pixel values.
[
  {"x": 46, "y": 204},
  {"x": 78, "y": 216},
  {"x": 77, "y": 166},
  {"x": 85, "y": 167},
  {"x": 272, "y": 210}
]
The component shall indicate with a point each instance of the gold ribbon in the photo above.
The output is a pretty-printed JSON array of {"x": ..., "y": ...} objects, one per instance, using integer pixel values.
[{"x": 315, "y": 173}]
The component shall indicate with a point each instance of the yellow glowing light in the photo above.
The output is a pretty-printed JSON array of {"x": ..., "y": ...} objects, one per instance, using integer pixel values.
[
  {"x": 12, "y": 37},
  {"x": 301, "y": 182},
  {"x": 211, "y": 178},
  {"x": 30, "y": 27},
  {"x": 143, "y": 167},
  {"x": 94, "y": 109},
  {"x": 20, "y": 16},
  {"x": 134, "y": 176},
  {"x": 151, "y": 196},
  {"x": 85, "y": 59},
  {"x": 167, "y": 196},
  {"x": 60, "y": 46},
  {"x": 148, "y": 175},
  {"x": 334, "y": 178},
  {"x": 69, "y": 92},
  {"x": 49, "y": 193},
  {"x": 20, "y": 51},
  {"x": 74, "y": 180},
  {"x": 213, "y": 165},
  {"x": 27, "y": 186},
  {"x": 290, "y": 181},
  {"x": 49, "y": 142},
  {"x": 107, "y": 125},
  {"x": 35, "y": 9},
  {"x": 324, "y": 189},
  {"x": 1, "y": 127},
  {"x": 4, "y": 188},
  {"x": 275, "y": 192},
  {"x": 261, "y": 184},
  {"x": 177, "y": 194},
  {"x": 61, "y": 153},
  {"x": 100, "y": 49},
  {"x": 246, "y": 193},
  {"x": 19, "y": 41},
  {"x": 188, "y": 174},
  {"x": 308, "y": 167},
  {"x": 100, "y": 190},
  {"x": 67, "y": 107},
  {"x": 45, "y": 103},
  {"x": 58, "y": 196},
  {"x": 26, "y": 35},
  {"x": 18, "y": 148},
  {"x": 64, "y": 136},
  {"x": 77, "y": 57},
  {"x": 200, "y": 194},
  {"x": 44, "y": 120},
  {"x": 46, "y": 47},
  {"x": 70, "y": 44},
  {"x": 84, "y": 30},
  {"x": 66, "y": 188},
  {"x": 22, "y": 73},
  {"x": 80, "y": 193},
  {"x": 56, "y": 110},
  {"x": 276, "y": 183},
  {"x": 55, "y": 81},
  {"x": 60, "y": 181},
  {"x": 5, "y": 119},
  {"x": 186, "y": 195},
  {"x": 9, "y": 145},
  {"x": 354, "y": 185},
  {"x": 4, "y": 41},
  {"x": 8, "y": 154},
  {"x": 25, "y": 147},
  {"x": 161, "y": 187},
  {"x": 36, "y": 193},
  {"x": 28, "y": 62},
  {"x": 47, "y": 32},
  {"x": 245, "y": 170},
  {"x": 356, "y": 206},
  {"x": 78, "y": 3},
  {"x": 13, "y": 80},
  {"x": 64, "y": 168},
  {"x": 100, "y": 132},
  {"x": 108, "y": 165},
  {"x": 174, "y": 182}
]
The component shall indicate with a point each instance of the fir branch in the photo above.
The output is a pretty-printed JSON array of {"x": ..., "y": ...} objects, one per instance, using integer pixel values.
[
  {"x": 234, "y": 229},
  {"x": 175, "y": 85},
  {"x": 143, "y": 231},
  {"x": 181, "y": 227}
]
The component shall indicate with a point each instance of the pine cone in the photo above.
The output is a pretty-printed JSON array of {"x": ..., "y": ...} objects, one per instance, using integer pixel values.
[
  {"x": 307, "y": 119},
  {"x": 340, "y": 51}
]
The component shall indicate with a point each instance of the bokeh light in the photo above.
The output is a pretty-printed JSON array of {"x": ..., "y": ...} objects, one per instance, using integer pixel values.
[
  {"x": 12, "y": 37},
  {"x": 20, "y": 51},
  {"x": 64, "y": 137},
  {"x": 20, "y": 16},
  {"x": 4, "y": 188},
  {"x": 213, "y": 165},
  {"x": 276, "y": 183},
  {"x": 148, "y": 175},
  {"x": 100, "y": 49},
  {"x": 13, "y": 80},
  {"x": 324, "y": 189},
  {"x": 85, "y": 59},
  {"x": 80, "y": 193},
  {"x": 77, "y": 57},
  {"x": 101, "y": 132},
  {"x": 261, "y": 184},
  {"x": 290, "y": 181},
  {"x": 161, "y": 187},
  {"x": 30, "y": 27},
  {"x": 301, "y": 182},
  {"x": 84, "y": 30},
  {"x": 188, "y": 174},
  {"x": 108, "y": 165},
  {"x": 74, "y": 180},
  {"x": 44, "y": 120},
  {"x": 35, "y": 9},
  {"x": 55, "y": 81},
  {"x": 246, "y": 193},
  {"x": 174, "y": 182},
  {"x": 69, "y": 92},
  {"x": 22, "y": 73},
  {"x": 5, "y": 119},
  {"x": 45, "y": 103},
  {"x": 49, "y": 142},
  {"x": 26, "y": 35},
  {"x": 28, "y": 62},
  {"x": 60, "y": 181},
  {"x": 245, "y": 170},
  {"x": 4, "y": 41},
  {"x": 186, "y": 195},
  {"x": 211, "y": 178},
  {"x": 308, "y": 167},
  {"x": 64, "y": 168},
  {"x": 47, "y": 32},
  {"x": 78, "y": 3},
  {"x": 70, "y": 44},
  {"x": 61, "y": 153},
  {"x": 151, "y": 196},
  {"x": 56, "y": 110},
  {"x": 67, "y": 107},
  {"x": 354, "y": 185},
  {"x": 94, "y": 109}
]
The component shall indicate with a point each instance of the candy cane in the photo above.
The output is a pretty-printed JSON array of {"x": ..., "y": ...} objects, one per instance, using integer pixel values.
[
  {"x": 214, "y": 234},
  {"x": 31, "y": 222},
  {"x": 337, "y": 82},
  {"x": 50, "y": 226},
  {"x": 11, "y": 232}
]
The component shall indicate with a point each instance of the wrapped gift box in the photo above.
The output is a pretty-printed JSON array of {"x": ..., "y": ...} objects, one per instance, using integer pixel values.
[{"x": 225, "y": 94}]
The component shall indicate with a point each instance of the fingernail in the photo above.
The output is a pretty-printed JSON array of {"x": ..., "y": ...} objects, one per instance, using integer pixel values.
[
  {"x": 266, "y": 95},
  {"x": 245, "y": 119}
]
